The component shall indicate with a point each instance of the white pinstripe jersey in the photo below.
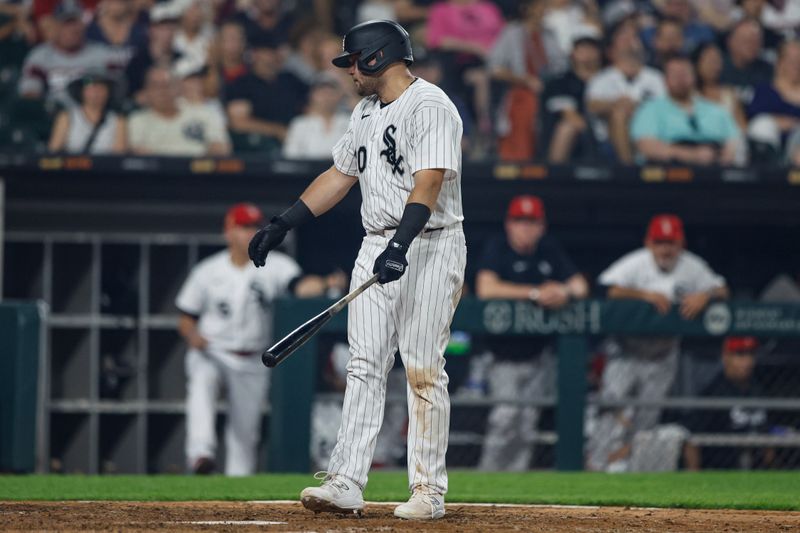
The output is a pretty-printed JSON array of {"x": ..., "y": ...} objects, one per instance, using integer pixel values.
[{"x": 385, "y": 145}]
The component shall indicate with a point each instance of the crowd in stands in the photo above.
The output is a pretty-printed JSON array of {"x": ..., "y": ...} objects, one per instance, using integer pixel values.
[{"x": 688, "y": 81}]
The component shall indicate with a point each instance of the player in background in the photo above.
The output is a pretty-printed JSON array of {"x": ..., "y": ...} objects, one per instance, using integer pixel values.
[
  {"x": 403, "y": 148},
  {"x": 226, "y": 319}
]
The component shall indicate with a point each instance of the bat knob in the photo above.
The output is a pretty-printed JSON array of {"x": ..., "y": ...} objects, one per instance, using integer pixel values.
[{"x": 269, "y": 359}]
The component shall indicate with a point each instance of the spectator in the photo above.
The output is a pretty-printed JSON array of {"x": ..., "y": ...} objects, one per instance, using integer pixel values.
[
  {"x": 50, "y": 66},
  {"x": 166, "y": 128},
  {"x": 667, "y": 42},
  {"x": 117, "y": 25},
  {"x": 642, "y": 12},
  {"x": 708, "y": 66},
  {"x": 45, "y": 20},
  {"x": 683, "y": 127},
  {"x": 781, "y": 16},
  {"x": 755, "y": 10},
  {"x": 568, "y": 20},
  {"x": 226, "y": 58},
  {"x": 226, "y": 320},
  {"x": 193, "y": 97},
  {"x": 159, "y": 51},
  {"x": 265, "y": 20},
  {"x": 194, "y": 35},
  {"x": 330, "y": 47},
  {"x": 718, "y": 14},
  {"x": 695, "y": 32},
  {"x": 467, "y": 27},
  {"x": 614, "y": 93},
  {"x": 519, "y": 58},
  {"x": 662, "y": 273},
  {"x": 743, "y": 67},
  {"x": 304, "y": 59},
  {"x": 463, "y": 32},
  {"x": 524, "y": 264},
  {"x": 736, "y": 380},
  {"x": 565, "y": 130},
  {"x": 90, "y": 127},
  {"x": 313, "y": 134},
  {"x": 16, "y": 35},
  {"x": 775, "y": 106},
  {"x": 375, "y": 10},
  {"x": 249, "y": 111},
  {"x": 411, "y": 12}
]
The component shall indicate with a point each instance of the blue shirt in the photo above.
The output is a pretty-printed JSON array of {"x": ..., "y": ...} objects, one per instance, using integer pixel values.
[
  {"x": 662, "y": 119},
  {"x": 768, "y": 100},
  {"x": 694, "y": 34}
]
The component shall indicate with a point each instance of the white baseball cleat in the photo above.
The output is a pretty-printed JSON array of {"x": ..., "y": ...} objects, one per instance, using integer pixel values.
[
  {"x": 423, "y": 505},
  {"x": 337, "y": 494}
]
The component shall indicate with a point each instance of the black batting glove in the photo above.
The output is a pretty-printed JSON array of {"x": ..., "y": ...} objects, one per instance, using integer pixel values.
[
  {"x": 391, "y": 264},
  {"x": 266, "y": 239}
]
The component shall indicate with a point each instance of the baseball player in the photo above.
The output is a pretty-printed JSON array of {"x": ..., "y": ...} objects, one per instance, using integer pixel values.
[
  {"x": 403, "y": 148},
  {"x": 226, "y": 320},
  {"x": 661, "y": 273}
]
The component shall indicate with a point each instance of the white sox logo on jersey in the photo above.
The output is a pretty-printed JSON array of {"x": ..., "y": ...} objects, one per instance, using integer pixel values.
[{"x": 391, "y": 151}]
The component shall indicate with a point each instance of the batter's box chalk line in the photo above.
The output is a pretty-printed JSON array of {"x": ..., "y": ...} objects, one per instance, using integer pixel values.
[{"x": 232, "y": 523}]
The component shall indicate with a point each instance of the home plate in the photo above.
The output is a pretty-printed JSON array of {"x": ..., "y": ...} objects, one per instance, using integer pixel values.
[{"x": 234, "y": 523}]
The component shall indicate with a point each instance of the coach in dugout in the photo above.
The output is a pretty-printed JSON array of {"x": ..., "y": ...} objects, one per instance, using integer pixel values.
[
  {"x": 524, "y": 264},
  {"x": 662, "y": 273}
]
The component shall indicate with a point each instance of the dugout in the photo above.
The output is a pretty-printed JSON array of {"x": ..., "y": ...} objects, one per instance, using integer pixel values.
[{"x": 106, "y": 242}]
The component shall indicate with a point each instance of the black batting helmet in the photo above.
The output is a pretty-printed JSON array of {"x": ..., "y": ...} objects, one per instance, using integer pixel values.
[{"x": 384, "y": 41}]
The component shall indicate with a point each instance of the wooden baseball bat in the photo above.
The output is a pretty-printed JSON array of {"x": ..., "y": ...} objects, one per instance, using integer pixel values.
[{"x": 282, "y": 349}]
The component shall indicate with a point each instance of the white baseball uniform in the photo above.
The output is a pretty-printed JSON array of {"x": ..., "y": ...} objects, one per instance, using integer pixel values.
[
  {"x": 644, "y": 366},
  {"x": 384, "y": 146},
  {"x": 233, "y": 306}
]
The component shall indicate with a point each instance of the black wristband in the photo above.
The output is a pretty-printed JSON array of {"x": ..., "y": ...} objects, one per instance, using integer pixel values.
[
  {"x": 298, "y": 214},
  {"x": 415, "y": 216}
]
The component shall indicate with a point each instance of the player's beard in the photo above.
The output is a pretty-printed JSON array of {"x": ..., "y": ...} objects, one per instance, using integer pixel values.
[{"x": 367, "y": 86}]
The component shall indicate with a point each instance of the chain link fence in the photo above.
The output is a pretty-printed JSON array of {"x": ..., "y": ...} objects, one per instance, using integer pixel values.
[{"x": 687, "y": 410}]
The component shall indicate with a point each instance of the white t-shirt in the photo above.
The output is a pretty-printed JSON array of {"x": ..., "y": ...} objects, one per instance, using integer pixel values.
[
  {"x": 234, "y": 304},
  {"x": 309, "y": 137},
  {"x": 194, "y": 52},
  {"x": 385, "y": 145},
  {"x": 189, "y": 133},
  {"x": 610, "y": 84},
  {"x": 638, "y": 270},
  {"x": 80, "y": 129}
]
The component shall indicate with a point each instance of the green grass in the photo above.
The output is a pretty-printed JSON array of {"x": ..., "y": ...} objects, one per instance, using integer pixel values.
[{"x": 733, "y": 490}]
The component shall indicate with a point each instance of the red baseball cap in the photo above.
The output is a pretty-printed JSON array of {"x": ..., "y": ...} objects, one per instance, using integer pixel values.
[
  {"x": 526, "y": 206},
  {"x": 244, "y": 214},
  {"x": 740, "y": 344},
  {"x": 665, "y": 228}
]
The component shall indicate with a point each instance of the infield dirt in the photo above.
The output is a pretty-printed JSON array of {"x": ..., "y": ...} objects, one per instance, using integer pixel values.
[{"x": 182, "y": 516}]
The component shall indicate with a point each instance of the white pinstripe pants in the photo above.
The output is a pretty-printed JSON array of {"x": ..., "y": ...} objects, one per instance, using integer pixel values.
[{"x": 411, "y": 315}]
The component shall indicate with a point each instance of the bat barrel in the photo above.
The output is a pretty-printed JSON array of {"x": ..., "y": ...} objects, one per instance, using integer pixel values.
[{"x": 269, "y": 359}]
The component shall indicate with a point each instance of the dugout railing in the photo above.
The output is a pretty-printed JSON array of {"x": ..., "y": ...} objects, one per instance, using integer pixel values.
[
  {"x": 112, "y": 381},
  {"x": 294, "y": 382}
]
